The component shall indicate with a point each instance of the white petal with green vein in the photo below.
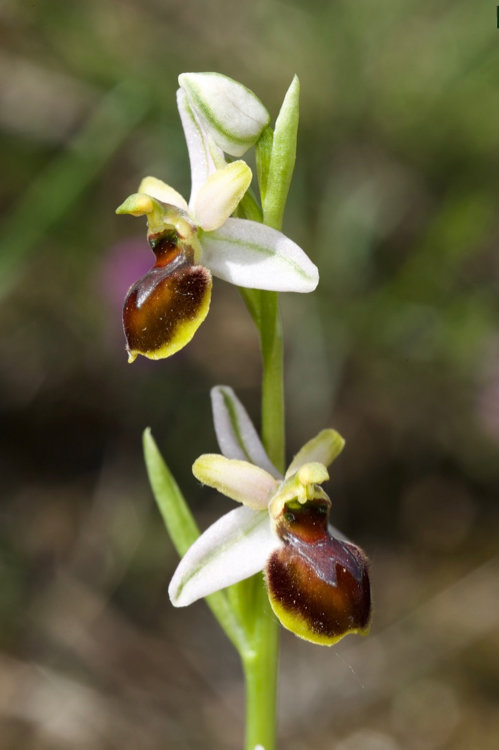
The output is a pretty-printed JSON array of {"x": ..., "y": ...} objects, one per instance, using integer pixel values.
[
  {"x": 253, "y": 255},
  {"x": 230, "y": 112},
  {"x": 235, "y": 547},
  {"x": 204, "y": 155},
  {"x": 236, "y": 434}
]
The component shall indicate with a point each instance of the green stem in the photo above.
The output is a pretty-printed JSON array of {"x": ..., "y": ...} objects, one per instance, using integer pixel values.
[
  {"x": 275, "y": 162},
  {"x": 260, "y": 672},
  {"x": 261, "y": 663},
  {"x": 272, "y": 379}
]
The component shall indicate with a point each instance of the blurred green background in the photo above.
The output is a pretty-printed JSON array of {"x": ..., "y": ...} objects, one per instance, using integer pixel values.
[{"x": 395, "y": 198}]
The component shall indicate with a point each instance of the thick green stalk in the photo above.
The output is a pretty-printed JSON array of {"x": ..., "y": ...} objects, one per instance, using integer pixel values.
[
  {"x": 276, "y": 154},
  {"x": 275, "y": 162},
  {"x": 260, "y": 663},
  {"x": 272, "y": 379},
  {"x": 260, "y": 671}
]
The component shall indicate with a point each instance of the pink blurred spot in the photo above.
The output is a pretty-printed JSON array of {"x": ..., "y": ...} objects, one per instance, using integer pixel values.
[
  {"x": 123, "y": 264},
  {"x": 487, "y": 405}
]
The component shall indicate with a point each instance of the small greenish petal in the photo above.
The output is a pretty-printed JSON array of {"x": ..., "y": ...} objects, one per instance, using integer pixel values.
[
  {"x": 312, "y": 473},
  {"x": 138, "y": 204},
  {"x": 159, "y": 215},
  {"x": 220, "y": 194},
  {"x": 323, "y": 448},
  {"x": 162, "y": 192},
  {"x": 239, "y": 480},
  {"x": 230, "y": 112},
  {"x": 299, "y": 488}
]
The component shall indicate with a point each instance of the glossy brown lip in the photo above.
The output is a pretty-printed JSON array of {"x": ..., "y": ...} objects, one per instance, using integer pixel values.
[
  {"x": 318, "y": 585},
  {"x": 173, "y": 293}
]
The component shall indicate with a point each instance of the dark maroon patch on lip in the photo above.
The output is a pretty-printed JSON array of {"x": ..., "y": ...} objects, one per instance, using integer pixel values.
[
  {"x": 170, "y": 294},
  {"x": 317, "y": 578}
]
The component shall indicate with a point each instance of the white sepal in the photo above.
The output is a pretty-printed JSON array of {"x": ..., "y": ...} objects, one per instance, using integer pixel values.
[
  {"x": 235, "y": 432},
  {"x": 228, "y": 111},
  {"x": 323, "y": 449},
  {"x": 204, "y": 155},
  {"x": 218, "y": 198},
  {"x": 235, "y": 547},
  {"x": 253, "y": 255},
  {"x": 239, "y": 480}
]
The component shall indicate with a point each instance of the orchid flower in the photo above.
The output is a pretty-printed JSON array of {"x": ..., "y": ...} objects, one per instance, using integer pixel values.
[
  {"x": 317, "y": 581},
  {"x": 191, "y": 240}
]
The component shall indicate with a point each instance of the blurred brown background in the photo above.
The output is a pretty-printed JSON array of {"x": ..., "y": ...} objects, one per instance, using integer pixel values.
[{"x": 395, "y": 198}]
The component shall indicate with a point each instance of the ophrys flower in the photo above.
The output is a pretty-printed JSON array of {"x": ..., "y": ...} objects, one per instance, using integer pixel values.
[
  {"x": 192, "y": 240},
  {"x": 317, "y": 581}
]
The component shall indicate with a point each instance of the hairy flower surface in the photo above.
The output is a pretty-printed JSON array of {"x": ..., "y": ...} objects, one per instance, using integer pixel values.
[
  {"x": 191, "y": 241},
  {"x": 317, "y": 581}
]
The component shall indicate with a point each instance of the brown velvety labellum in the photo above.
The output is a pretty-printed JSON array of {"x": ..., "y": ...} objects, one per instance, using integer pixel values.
[
  {"x": 318, "y": 585},
  {"x": 164, "y": 308}
]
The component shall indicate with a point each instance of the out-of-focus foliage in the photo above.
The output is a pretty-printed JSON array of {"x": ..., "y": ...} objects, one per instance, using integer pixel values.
[{"x": 395, "y": 198}]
